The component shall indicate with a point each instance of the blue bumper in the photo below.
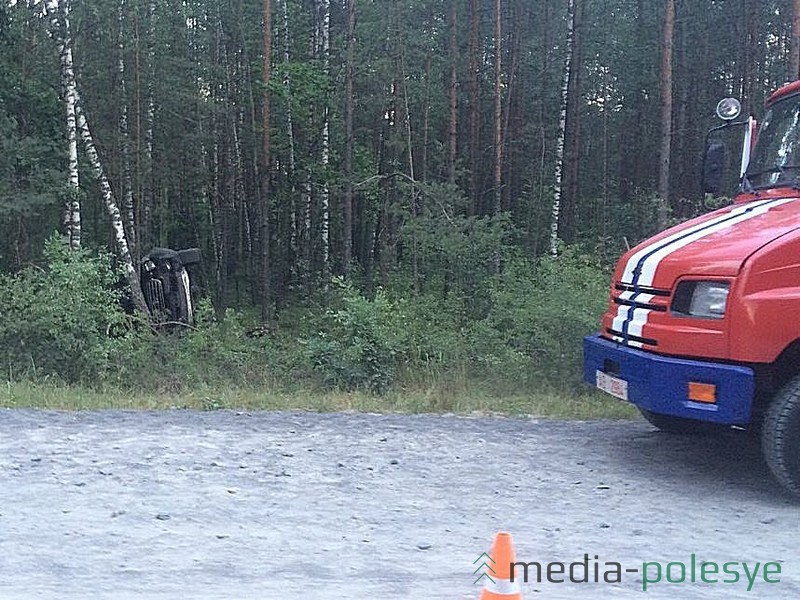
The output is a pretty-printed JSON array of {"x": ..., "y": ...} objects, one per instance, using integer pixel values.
[{"x": 660, "y": 384}]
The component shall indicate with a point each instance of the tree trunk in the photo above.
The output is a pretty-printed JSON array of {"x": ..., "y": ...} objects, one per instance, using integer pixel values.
[
  {"x": 750, "y": 75},
  {"x": 219, "y": 199},
  {"x": 411, "y": 173},
  {"x": 453, "y": 94},
  {"x": 666, "y": 115},
  {"x": 266, "y": 271},
  {"x": 347, "y": 251},
  {"x": 498, "y": 110},
  {"x": 510, "y": 202},
  {"x": 426, "y": 118},
  {"x": 325, "y": 216},
  {"x": 131, "y": 273},
  {"x": 572, "y": 138},
  {"x": 72, "y": 210},
  {"x": 474, "y": 105},
  {"x": 148, "y": 192},
  {"x": 127, "y": 185},
  {"x": 287, "y": 84},
  {"x": 562, "y": 125},
  {"x": 64, "y": 42},
  {"x": 60, "y": 26}
]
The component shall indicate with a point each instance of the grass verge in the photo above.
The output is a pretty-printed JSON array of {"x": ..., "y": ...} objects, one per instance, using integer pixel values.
[{"x": 435, "y": 399}]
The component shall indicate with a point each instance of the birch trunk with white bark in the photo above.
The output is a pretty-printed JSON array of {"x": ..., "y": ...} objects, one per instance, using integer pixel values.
[
  {"x": 325, "y": 200},
  {"x": 60, "y": 24},
  {"x": 287, "y": 84},
  {"x": 82, "y": 126},
  {"x": 265, "y": 212},
  {"x": 562, "y": 125},
  {"x": 121, "y": 239},
  {"x": 347, "y": 255},
  {"x": 127, "y": 184}
]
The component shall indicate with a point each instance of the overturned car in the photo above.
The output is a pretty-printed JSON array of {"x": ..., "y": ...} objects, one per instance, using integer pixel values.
[{"x": 166, "y": 280}]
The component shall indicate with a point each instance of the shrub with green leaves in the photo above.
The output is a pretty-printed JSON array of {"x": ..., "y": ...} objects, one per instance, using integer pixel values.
[
  {"x": 59, "y": 321},
  {"x": 540, "y": 312},
  {"x": 358, "y": 343}
]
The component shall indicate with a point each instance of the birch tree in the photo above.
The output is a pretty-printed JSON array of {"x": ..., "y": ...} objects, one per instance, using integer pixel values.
[
  {"x": 326, "y": 59},
  {"x": 131, "y": 273},
  {"x": 264, "y": 214},
  {"x": 60, "y": 26},
  {"x": 347, "y": 253},
  {"x": 562, "y": 126},
  {"x": 127, "y": 183},
  {"x": 572, "y": 132},
  {"x": 498, "y": 110},
  {"x": 287, "y": 84}
]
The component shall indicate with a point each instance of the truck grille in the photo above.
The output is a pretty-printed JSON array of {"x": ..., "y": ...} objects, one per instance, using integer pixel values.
[
  {"x": 154, "y": 295},
  {"x": 627, "y": 287},
  {"x": 639, "y": 299}
]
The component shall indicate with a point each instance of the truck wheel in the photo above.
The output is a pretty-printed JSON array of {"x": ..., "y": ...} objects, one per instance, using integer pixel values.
[
  {"x": 679, "y": 425},
  {"x": 780, "y": 436}
]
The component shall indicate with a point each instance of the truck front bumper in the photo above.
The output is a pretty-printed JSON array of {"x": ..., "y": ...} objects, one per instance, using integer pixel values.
[{"x": 661, "y": 384}]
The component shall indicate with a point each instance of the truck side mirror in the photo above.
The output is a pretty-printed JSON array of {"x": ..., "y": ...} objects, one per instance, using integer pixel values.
[{"x": 713, "y": 167}]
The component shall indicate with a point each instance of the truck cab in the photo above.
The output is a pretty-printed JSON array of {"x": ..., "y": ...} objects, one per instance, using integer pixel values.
[{"x": 702, "y": 329}]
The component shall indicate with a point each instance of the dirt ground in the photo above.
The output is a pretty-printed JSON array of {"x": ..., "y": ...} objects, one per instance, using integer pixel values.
[{"x": 183, "y": 504}]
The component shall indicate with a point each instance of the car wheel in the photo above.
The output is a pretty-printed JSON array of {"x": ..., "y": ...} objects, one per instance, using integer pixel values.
[{"x": 780, "y": 436}]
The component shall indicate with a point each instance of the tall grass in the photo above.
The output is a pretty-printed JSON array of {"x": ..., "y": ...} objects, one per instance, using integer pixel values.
[{"x": 470, "y": 401}]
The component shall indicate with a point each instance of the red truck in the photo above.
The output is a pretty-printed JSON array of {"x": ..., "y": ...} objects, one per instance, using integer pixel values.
[{"x": 702, "y": 331}]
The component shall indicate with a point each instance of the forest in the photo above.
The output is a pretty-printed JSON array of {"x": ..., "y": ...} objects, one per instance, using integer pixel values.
[{"x": 387, "y": 194}]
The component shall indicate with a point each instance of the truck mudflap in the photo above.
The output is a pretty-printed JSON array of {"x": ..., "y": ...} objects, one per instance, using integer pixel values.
[{"x": 703, "y": 391}]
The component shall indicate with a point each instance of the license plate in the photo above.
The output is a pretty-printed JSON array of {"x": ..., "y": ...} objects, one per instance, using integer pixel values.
[{"x": 612, "y": 385}]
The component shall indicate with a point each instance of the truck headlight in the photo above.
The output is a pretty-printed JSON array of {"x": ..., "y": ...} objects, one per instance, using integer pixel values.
[{"x": 702, "y": 299}]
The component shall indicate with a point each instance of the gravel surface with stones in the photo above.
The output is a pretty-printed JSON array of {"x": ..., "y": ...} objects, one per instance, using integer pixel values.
[{"x": 182, "y": 504}]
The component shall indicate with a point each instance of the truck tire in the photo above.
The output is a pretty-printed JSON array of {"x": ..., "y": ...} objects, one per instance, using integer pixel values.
[
  {"x": 780, "y": 437},
  {"x": 680, "y": 425}
]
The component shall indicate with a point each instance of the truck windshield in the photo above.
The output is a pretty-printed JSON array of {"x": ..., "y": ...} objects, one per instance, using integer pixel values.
[{"x": 776, "y": 157}]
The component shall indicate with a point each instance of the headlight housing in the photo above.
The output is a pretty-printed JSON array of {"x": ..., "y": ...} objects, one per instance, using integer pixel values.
[{"x": 701, "y": 299}]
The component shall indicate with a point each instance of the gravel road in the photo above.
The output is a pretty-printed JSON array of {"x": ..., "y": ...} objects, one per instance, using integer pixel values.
[{"x": 182, "y": 504}]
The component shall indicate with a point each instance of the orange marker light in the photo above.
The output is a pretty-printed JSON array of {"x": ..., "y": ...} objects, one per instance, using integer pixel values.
[{"x": 703, "y": 392}]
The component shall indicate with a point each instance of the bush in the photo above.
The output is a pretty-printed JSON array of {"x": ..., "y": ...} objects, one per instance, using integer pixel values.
[
  {"x": 540, "y": 312},
  {"x": 359, "y": 343},
  {"x": 57, "y": 321},
  {"x": 66, "y": 321},
  {"x": 212, "y": 353}
]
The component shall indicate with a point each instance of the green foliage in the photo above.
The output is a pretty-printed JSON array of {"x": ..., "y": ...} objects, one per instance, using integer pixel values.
[
  {"x": 454, "y": 251},
  {"x": 64, "y": 321},
  {"x": 59, "y": 321},
  {"x": 535, "y": 316},
  {"x": 32, "y": 179},
  {"x": 358, "y": 344},
  {"x": 29, "y": 178},
  {"x": 539, "y": 314},
  {"x": 213, "y": 352}
]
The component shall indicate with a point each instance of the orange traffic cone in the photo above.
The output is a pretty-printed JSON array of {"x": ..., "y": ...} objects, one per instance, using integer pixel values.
[{"x": 498, "y": 584}]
